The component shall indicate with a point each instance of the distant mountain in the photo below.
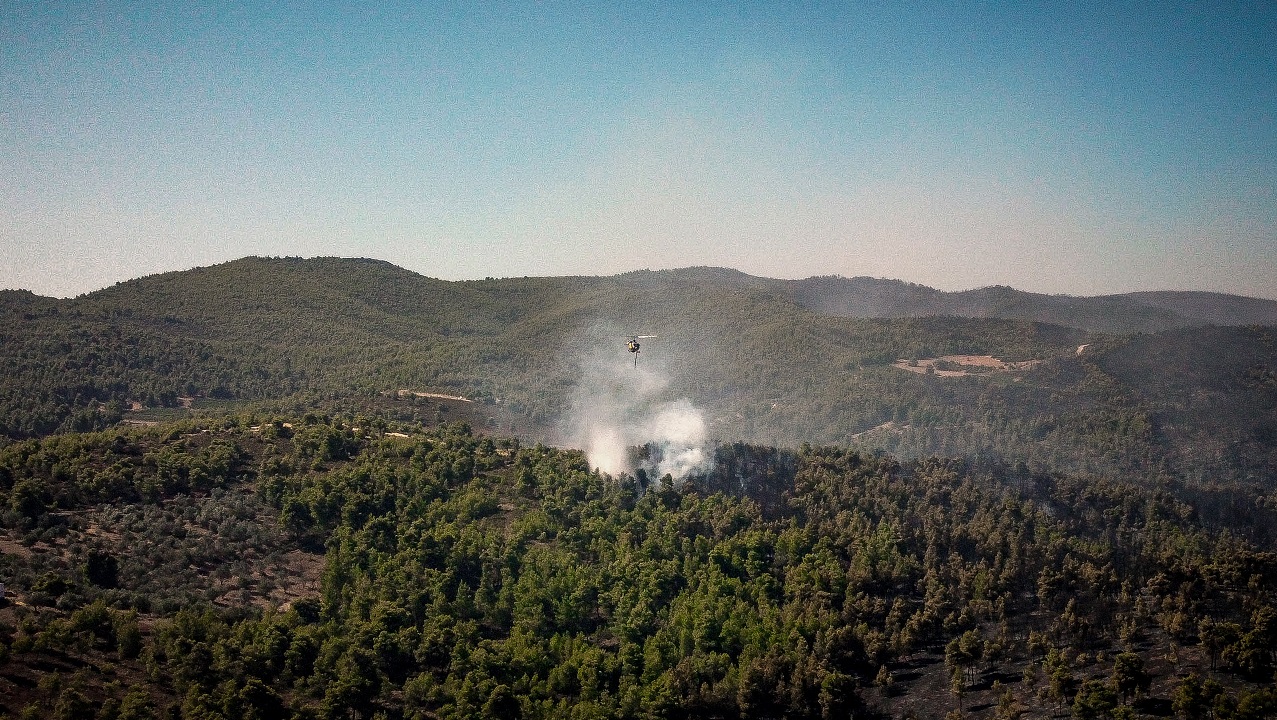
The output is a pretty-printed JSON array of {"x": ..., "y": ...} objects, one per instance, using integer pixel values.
[
  {"x": 1212, "y": 308},
  {"x": 876, "y": 364},
  {"x": 864, "y": 297}
]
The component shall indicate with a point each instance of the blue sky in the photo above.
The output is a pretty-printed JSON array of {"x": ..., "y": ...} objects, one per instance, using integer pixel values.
[{"x": 1069, "y": 147}]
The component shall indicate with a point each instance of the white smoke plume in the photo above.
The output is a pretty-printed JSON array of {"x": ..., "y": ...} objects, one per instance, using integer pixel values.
[{"x": 616, "y": 406}]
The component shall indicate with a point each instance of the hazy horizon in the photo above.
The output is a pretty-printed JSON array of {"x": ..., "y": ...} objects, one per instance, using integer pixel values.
[
  {"x": 1058, "y": 148},
  {"x": 636, "y": 270}
]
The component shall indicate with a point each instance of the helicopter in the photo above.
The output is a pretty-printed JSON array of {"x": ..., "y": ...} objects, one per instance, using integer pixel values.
[{"x": 633, "y": 345}]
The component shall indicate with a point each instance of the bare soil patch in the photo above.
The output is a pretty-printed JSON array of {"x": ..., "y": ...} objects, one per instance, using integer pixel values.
[
  {"x": 11, "y": 546},
  {"x": 298, "y": 574},
  {"x": 887, "y": 427},
  {"x": 435, "y": 396},
  {"x": 963, "y": 365}
]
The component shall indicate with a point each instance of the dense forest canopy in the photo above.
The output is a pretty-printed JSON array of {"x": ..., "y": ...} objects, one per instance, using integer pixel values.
[{"x": 463, "y": 575}]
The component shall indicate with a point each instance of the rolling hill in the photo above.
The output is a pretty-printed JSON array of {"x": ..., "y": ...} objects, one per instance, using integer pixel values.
[
  {"x": 1133, "y": 312},
  {"x": 768, "y": 361}
]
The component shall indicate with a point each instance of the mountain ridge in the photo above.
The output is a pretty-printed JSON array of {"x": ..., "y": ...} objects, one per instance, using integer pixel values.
[
  {"x": 835, "y": 295},
  {"x": 1117, "y": 313}
]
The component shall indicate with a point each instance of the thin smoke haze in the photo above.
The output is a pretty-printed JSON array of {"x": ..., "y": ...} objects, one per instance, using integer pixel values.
[{"x": 616, "y": 406}]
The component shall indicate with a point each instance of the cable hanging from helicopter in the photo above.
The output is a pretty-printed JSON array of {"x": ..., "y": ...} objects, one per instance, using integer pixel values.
[{"x": 633, "y": 345}]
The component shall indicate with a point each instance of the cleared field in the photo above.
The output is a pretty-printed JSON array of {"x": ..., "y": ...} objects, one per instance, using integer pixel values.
[{"x": 962, "y": 365}]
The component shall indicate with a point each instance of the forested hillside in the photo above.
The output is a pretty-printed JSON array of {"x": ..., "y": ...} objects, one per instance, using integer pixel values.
[
  {"x": 1195, "y": 405},
  {"x": 276, "y": 567},
  {"x": 1131, "y": 312},
  {"x": 239, "y": 491}
]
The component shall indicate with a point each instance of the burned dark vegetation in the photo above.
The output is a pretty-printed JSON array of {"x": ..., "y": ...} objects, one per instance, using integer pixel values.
[{"x": 253, "y": 490}]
